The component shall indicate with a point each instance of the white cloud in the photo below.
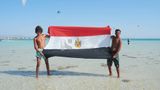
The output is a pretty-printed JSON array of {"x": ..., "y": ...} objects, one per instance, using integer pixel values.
[{"x": 24, "y": 2}]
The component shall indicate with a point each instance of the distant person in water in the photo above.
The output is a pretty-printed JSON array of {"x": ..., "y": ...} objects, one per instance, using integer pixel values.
[
  {"x": 39, "y": 44},
  {"x": 115, "y": 48},
  {"x": 128, "y": 41}
]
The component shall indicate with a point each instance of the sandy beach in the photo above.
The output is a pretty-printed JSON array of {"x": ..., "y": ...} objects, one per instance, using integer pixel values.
[{"x": 139, "y": 69}]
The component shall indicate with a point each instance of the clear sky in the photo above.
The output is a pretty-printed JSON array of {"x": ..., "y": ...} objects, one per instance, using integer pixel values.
[{"x": 136, "y": 18}]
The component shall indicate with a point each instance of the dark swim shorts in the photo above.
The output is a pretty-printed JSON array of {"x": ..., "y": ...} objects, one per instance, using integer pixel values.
[{"x": 115, "y": 60}]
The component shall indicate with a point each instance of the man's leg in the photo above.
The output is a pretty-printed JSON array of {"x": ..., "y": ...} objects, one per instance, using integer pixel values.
[
  {"x": 37, "y": 66},
  {"x": 47, "y": 66},
  {"x": 118, "y": 72},
  {"x": 116, "y": 62},
  {"x": 110, "y": 70},
  {"x": 109, "y": 63}
]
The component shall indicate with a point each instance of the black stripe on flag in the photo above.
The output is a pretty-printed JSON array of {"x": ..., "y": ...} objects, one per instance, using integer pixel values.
[{"x": 93, "y": 53}]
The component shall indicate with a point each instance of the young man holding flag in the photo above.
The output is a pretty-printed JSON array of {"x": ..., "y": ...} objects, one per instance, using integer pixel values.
[{"x": 115, "y": 48}]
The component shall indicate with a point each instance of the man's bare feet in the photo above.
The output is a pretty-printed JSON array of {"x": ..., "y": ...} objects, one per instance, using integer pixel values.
[
  {"x": 110, "y": 74},
  {"x": 36, "y": 77},
  {"x": 118, "y": 76},
  {"x": 48, "y": 73}
]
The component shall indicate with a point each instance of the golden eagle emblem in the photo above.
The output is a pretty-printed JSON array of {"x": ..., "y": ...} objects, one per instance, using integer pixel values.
[{"x": 77, "y": 43}]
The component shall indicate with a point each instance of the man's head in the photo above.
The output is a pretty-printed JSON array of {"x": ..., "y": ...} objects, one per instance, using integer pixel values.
[
  {"x": 117, "y": 32},
  {"x": 38, "y": 30}
]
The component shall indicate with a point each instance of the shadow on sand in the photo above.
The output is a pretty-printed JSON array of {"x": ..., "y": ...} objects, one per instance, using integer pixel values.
[{"x": 53, "y": 73}]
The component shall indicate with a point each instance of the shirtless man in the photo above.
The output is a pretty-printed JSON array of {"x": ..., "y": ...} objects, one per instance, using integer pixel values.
[
  {"x": 39, "y": 44},
  {"x": 115, "y": 48}
]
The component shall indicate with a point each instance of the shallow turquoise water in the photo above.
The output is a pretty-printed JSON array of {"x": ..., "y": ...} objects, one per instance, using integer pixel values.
[{"x": 136, "y": 47}]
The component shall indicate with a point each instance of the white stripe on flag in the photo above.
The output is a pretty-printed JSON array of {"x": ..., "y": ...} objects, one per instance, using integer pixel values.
[{"x": 82, "y": 42}]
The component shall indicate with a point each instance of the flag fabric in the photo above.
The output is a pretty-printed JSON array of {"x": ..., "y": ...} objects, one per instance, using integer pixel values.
[{"x": 78, "y": 42}]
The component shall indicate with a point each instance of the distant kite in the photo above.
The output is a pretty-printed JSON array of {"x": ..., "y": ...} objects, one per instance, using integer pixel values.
[{"x": 58, "y": 12}]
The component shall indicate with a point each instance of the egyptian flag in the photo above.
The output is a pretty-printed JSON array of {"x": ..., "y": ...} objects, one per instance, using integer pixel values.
[{"x": 78, "y": 42}]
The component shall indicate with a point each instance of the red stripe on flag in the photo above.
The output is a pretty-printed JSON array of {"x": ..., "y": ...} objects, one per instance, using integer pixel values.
[{"x": 78, "y": 31}]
